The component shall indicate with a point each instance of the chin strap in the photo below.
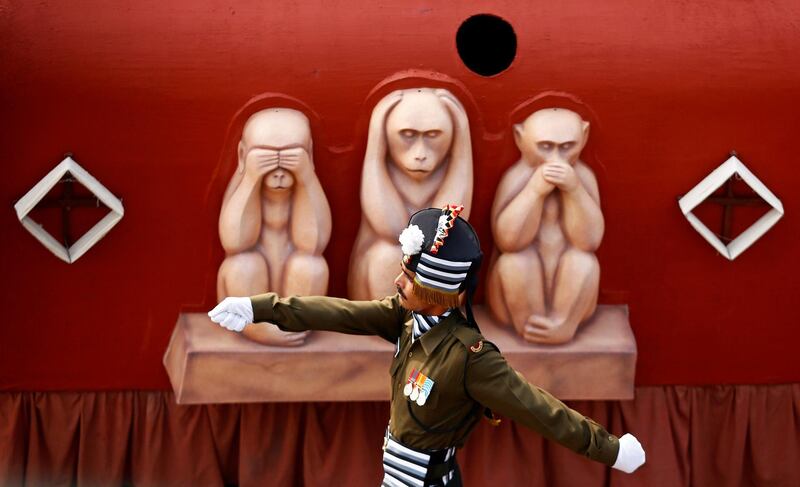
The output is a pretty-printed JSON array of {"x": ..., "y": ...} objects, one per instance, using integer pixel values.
[{"x": 471, "y": 285}]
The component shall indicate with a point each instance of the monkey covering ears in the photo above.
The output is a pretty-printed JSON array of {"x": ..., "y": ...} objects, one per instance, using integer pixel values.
[{"x": 418, "y": 155}]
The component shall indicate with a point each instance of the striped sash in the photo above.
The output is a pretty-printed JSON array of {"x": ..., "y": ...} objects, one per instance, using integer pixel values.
[{"x": 405, "y": 467}]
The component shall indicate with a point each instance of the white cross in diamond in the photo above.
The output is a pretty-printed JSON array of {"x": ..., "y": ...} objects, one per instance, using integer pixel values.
[
  {"x": 39, "y": 191},
  {"x": 711, "y": 183}
]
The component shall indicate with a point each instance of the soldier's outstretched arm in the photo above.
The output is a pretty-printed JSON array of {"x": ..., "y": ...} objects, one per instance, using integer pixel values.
[
  {"x": 493, "y": 383},
  {"x": 383, "y": 317}
]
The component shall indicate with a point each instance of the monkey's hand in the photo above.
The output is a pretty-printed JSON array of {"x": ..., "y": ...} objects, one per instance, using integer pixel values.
[
  {"x": 539, "y": 184},
  {"x": 298, "y": 162},
  {"x": 443, "y": 93},
  {"x": 233, "y": 313},
  {"x": 258, "y": 163},
  {"x": 561, "y": 175},
  {"x": 457, "y": 110},
  {"x": 381, "y": 110}
]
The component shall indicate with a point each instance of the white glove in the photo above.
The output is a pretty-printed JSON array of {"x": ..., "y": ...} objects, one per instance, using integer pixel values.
[
  {"x": 631, "y": 454},
  {"x": 233, "y": 313}
]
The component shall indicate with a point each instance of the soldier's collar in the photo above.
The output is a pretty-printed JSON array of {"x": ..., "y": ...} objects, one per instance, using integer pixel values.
[{"x": 433, "y": 337}]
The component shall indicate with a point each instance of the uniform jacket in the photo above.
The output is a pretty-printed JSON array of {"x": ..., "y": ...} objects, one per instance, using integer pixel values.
[{"x": 469, "y": 373}]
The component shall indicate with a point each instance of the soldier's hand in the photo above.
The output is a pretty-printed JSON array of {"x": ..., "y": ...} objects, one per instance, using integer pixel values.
[
  {"x": 631, "y": 454},
  {"x": 233, "y": 313}
]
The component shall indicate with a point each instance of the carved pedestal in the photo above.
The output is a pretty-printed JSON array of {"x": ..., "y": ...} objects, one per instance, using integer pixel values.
[{"x": 208, "y": 364}]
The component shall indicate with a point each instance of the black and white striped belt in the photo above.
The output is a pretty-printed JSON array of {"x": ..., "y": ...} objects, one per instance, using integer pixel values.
[{"x": 404, "y": 466}]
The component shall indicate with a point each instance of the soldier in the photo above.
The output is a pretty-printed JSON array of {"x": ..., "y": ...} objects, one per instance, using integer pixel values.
[{"x": 444, "y": 374}]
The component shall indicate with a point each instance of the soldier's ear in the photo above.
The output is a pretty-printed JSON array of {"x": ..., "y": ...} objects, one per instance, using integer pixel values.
[
  {"x": 518, "y": 135},
  {"x": 240, "y": 152}
]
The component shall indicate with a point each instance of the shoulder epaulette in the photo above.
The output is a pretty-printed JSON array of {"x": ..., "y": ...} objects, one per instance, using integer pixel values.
[{"x": 472, "y": 339}]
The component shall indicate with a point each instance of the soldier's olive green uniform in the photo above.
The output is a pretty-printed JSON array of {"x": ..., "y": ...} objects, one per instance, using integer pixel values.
[{"x": 468, "y": 372}]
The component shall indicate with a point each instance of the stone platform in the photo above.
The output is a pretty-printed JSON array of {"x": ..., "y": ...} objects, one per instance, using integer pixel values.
[{"x": 208, "y": 364}]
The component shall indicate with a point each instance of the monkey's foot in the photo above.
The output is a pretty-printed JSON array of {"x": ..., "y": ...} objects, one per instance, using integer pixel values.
[
  {"x": 543, "y": 329},
  {"x": 269, "y": 334}
]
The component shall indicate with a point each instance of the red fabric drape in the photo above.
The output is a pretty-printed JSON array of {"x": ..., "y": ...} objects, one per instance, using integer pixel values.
[{"x": 716, "y": 436}]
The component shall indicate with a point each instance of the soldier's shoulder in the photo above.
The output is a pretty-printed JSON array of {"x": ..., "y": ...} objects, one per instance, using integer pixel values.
[{"x": 472, "y": 339}]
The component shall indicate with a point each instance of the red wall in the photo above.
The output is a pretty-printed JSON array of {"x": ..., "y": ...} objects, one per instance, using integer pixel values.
[{"x": 143, "y": 94}]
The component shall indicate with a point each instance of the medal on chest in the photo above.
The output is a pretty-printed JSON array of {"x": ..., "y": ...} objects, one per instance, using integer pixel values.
[{"x": 418, "y": 387}]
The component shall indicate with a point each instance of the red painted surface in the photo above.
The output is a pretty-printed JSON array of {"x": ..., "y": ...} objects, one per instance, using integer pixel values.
[{"x": 143, "y": 94}]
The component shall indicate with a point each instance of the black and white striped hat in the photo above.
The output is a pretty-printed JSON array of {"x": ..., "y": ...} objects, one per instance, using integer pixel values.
[{"x": 444, "y": 252}]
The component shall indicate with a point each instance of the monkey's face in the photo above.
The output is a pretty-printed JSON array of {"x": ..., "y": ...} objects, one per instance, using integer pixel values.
[
  {"x": 552, "y": 136},
  {"x": 546, "y": 150},
  {"x": 278, "y": 180},
  {"x": 419, "y": 133},
  {"x": 268, "y": 136}
]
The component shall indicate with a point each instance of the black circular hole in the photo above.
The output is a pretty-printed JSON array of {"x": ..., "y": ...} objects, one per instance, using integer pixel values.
[{"x": 487, "y": 44}]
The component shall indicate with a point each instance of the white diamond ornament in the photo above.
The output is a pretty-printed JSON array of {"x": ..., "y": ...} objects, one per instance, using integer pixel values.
[
  {"x": 711, "y": 183},
  {"x": 91, "y": 237}
]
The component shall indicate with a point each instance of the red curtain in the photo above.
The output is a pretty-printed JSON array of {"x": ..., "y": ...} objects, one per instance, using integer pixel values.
[{"x": 716, "y": 436}]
